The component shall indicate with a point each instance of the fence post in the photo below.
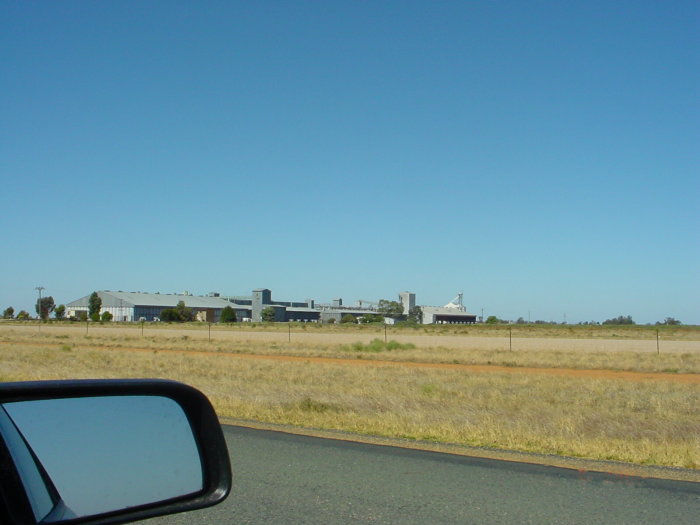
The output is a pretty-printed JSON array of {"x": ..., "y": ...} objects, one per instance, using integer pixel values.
[{"x": 510, "y": 338}]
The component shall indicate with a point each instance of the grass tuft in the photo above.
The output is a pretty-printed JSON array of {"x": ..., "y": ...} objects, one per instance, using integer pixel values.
[{"x": 377, "y": 345}]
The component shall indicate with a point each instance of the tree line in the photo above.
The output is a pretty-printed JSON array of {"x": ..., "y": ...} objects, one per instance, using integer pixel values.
[{"x": 619, "y": 320}]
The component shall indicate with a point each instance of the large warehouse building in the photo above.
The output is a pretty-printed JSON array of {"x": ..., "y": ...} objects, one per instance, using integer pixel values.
[{"x": 141, "y": 306}]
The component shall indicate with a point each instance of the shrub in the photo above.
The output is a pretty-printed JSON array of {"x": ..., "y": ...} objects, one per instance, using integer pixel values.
[
  {"x": 228, "y": 315},
  {"x": 377, "y": 345},
  {"x": 60, "y": 311},
  {"x": 620, "y": 320},
  {"x": 268, "y": 314}
]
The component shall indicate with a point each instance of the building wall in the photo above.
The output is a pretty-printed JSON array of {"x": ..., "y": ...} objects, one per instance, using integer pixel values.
[
  {"x": 302, "y": 316},
  {"x": 408, "y": 300},
  {"x": 261, "y": 299}
]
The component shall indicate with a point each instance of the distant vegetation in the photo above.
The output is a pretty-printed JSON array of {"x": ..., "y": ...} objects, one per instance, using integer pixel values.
[
  {"x": 620, "y": 320},
  {"x": 179, "y": 314},
  {"x": 268, "y": 314},
  {"x": 94, "y": 305},
  {"x": 228, "y": 315},
  {"x": 44, "y": 307},
  {"x": 377, "y": 345},
  {"x": 371, "y": 318},
  {"x": 670, "y": 321},
  {"x": 391, "y": 309},
  {"x": 60, "y": 312}
]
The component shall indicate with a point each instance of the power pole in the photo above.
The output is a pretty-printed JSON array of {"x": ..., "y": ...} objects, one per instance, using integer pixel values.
[{"x": 40, "y": 288}]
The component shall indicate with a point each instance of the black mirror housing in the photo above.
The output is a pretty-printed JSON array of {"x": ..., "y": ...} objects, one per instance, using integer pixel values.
[{"x": 200, "y": 427}]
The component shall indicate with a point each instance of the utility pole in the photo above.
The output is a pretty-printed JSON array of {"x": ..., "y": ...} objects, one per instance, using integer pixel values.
[{"x": 40, "y": 288}]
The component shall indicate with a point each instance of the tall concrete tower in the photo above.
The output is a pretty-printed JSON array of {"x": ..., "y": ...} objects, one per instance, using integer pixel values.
[{"x": 407, "y": 300}]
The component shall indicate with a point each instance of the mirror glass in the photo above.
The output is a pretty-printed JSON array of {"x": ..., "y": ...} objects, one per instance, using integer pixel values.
[{"x": 101, "y": 454}]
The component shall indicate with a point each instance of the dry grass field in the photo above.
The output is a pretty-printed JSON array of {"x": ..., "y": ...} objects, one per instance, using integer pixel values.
[{"x": 653, "y": 421}]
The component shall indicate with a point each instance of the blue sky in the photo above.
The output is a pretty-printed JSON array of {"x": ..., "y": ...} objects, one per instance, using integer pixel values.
[{"x": 540, "y": 156}]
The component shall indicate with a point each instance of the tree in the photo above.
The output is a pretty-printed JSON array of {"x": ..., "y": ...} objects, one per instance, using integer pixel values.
[
  {"x": 9, "y": 313},
  {"x": 391, "y": 309},
  {"x": 94, "y": 305},
  {"x": 81, "y": 315},
  {"x": 348, "y": 319},
  {"x": 170, "y": 315},
  {"x": 228, "y": 315},
  {"x": 23, "y": 315},
  {"x": 106, "y": 316},
  {"x": 186, "y": 314},
  {"x": 670, "y": 321},
  {"x": 415, "y": 315},
  {"x": 371, "y": 318},
  {"x": 268, "y": 314},
  {"x": 60, "y": 311},
  {"x": 492, "y": 319},
  {"x": 179, "y": 314},
  {"x": 44, "y": 307},
  {"x": 620, "y": 320},
  {"x": 520, "y": 320}
]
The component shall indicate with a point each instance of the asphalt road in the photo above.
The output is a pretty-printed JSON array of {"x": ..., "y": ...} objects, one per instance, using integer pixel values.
[{"x": 283, "y": 478}]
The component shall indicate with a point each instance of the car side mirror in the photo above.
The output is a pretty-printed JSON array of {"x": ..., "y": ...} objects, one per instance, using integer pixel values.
[{"x": 108, "y": 451}]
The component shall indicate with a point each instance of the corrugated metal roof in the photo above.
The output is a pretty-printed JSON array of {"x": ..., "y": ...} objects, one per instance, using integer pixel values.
[
  {"x": 131, "y": 299},
  {"x": 444, "y": 310}
]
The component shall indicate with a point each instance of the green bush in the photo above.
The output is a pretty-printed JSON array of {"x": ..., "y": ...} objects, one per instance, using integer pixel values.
[
  {"x": 228, "y": 315},
  {"x": 268, "y": 314},
  {"x": 377, "y": 345}
]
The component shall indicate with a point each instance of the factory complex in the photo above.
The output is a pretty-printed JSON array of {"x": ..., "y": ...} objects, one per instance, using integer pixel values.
[{"x": 142, "y": 306}]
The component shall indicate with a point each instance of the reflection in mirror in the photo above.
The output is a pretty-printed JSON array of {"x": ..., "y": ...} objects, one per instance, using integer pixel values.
[{"x": 108, "y": 453}]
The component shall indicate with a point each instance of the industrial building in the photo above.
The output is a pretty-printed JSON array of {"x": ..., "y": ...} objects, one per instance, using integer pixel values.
[
  {"x": 142, "y": 306},
  {"x": 453, "y": 312},
  {"x": 136, "y": 306}
]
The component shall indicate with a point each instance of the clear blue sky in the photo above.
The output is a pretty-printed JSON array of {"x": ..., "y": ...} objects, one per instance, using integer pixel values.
[{"x": 540, "y": 156}]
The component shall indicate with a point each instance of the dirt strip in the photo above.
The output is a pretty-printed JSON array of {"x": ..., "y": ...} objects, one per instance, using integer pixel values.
[{"x": 566, "y": 372}]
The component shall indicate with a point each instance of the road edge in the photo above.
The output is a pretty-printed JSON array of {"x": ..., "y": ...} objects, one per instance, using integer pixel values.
[{"x": 581, "y": 465}]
